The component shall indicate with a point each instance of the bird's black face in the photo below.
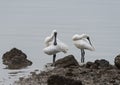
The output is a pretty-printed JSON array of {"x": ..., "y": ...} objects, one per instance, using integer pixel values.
[
  {"x": 89, "y": 41},
  {"x": 55, "y": 41}
]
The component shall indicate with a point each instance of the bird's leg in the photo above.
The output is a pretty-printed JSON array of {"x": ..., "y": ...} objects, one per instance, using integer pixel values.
[
  {"x": 82, "y": 55},
  {"x": 54, "y": 56}
]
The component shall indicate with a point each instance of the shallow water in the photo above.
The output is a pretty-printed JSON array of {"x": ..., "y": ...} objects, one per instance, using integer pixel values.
[{"x": 25, "y": 23}]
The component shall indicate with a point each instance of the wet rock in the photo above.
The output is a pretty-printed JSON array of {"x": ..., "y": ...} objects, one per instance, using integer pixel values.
[
  {"x": 15, "y": 59},
  {"x": 102, "y": 63},
  {"x": 117, "y": 61},
  {"x": 61, "y": 80},
  {"x": 66, "y": 62},
  {"x": 88, "y": 64},
  {"x": 98, "y": 64}
]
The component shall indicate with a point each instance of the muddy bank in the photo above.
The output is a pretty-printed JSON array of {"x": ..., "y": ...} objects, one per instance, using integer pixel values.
[{"x": 99, "y": 72}]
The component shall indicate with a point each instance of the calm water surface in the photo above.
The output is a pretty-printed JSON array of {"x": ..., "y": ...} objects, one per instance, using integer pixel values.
[{"x": 25, "y": 23}]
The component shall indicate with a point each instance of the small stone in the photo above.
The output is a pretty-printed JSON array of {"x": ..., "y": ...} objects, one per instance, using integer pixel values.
[{"x": 21, "y": 78}]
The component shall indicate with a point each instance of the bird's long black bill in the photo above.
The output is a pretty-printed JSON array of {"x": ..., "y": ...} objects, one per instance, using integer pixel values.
[
  {"x": 55, "y": 40},
  {"x": 89, "y": 41}
]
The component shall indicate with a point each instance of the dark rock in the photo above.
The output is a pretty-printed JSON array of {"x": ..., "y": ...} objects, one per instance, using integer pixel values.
[
  {"x": 69, "y": 72},
  {"x": 117, "y": 61},
  {"x": 61, "y": 80},
  {"x": 66, "y": 62},
  {"x": 15, "y": 59},
  {"x": 98, "y": 64},
  {"x": 88, "y": 64},
  {"x": 102, "y": 63},
  {"x": 94, "y": 66}
]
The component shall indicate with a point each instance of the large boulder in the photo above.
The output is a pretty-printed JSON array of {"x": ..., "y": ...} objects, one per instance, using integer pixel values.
[
  {"x": 66, "y": 62},
  {"x": 15, "y": 59},
  {"x": 61, "y": 80},
  {"x": 117, "y": 61}
]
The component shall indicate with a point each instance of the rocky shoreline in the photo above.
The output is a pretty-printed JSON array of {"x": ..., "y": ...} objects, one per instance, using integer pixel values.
[{"x": 68, "y": 72}]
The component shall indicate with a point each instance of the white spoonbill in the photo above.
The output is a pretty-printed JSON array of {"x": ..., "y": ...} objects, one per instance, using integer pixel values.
[
  {"x": 82, "y": 42},
  {"x": 53, "y": 45}
]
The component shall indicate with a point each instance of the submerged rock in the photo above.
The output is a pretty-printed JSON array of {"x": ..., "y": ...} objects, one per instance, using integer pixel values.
[
  {"x": 117, "y": 61},
  {"x": 15, "y": 59},
  {"x": 67, "y": 61}
]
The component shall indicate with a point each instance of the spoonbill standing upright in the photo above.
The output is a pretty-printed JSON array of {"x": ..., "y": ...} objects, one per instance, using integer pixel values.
[
  {"x": 82, "y": 42},
  {"x": 54, "y": 45}
]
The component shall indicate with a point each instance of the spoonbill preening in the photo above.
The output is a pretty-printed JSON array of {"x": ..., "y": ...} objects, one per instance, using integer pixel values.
[
  {"x": 54, "y": 45},
  {"x": 82, "y": 42}
]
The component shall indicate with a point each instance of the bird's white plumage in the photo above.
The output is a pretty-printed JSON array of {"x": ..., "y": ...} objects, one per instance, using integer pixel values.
[
  {"x": 51, "y": 49},
  {"x": 81, "y": 42},
  {"x": 79, "y": 37},
  {"x": 49, "y": 40}
]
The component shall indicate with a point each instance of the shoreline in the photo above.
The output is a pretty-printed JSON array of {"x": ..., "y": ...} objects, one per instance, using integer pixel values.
[{"x": 90, "y": 73}]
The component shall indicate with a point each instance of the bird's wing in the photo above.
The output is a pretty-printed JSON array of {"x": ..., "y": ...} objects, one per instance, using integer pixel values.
[
  {"x": 62, "y": 46},
  {"x": 87, "y": 45},
  {"x": 50, "y": 50}
]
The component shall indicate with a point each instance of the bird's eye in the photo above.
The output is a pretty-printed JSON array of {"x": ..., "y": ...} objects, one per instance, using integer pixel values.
[{"x": 88, "y": 38}]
